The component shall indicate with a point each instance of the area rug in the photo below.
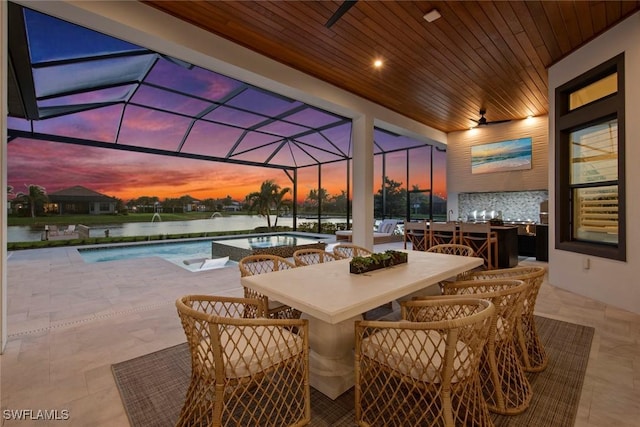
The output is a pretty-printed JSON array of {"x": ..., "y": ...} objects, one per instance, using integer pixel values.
[{"x": 153, "y": 386}]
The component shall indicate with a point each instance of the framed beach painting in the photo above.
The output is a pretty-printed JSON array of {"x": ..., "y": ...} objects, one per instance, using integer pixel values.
[{"x": 510, "y": 155}]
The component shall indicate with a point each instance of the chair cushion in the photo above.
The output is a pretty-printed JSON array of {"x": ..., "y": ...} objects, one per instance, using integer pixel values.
[
  {"x": 387, "y": 227},
  {"x": 248, "y": 350},
  {"x": 416, "y": 353}
]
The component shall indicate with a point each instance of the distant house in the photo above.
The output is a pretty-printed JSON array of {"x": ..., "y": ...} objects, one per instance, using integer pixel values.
[
  {"x": 80, "y": 200},
  {"x": 233, "y": 207}
]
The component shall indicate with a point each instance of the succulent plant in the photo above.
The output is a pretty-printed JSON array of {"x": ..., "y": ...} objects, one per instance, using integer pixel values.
[{"x": 362, "y": 264}]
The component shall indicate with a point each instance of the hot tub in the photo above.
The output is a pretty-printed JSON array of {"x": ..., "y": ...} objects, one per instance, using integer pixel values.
[{"x": 283, "y": 245}]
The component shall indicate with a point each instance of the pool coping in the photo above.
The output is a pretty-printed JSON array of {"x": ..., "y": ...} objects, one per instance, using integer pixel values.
[{"x": 328, "y": 237}]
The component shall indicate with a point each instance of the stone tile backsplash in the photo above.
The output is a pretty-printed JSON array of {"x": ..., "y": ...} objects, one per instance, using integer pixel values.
[{"x": 514, "y": 205}]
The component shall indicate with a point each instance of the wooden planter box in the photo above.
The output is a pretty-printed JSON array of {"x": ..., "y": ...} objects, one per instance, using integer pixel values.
[{"x": 396, "y": 258}]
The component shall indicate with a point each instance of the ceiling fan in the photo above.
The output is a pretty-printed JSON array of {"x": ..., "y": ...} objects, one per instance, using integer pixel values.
[
  {"x": 482, "y": 121},
  {"x": 344, "y": 7}
]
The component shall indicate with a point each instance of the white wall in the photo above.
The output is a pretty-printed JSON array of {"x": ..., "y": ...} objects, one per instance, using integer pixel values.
[
  {"x": 461, "y": 180},
  {"x": 613, "y": 282},
  {"x": 459, "y": 176}
]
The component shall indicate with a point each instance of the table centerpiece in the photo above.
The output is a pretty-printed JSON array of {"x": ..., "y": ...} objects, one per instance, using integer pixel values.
[{"x": 376, "y": 261}]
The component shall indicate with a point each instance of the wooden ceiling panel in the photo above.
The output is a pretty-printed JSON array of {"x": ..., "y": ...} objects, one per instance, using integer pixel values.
[{"x": 479, "y": 54}]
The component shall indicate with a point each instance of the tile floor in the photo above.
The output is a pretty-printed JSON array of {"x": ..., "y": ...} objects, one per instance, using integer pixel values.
[{"x": 69, "y": 322}]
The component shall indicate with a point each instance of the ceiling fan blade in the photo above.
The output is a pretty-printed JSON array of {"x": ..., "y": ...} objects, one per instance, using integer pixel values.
[
  {"x": 495, "y": 122},
  {"x": 344, "y": 7}
]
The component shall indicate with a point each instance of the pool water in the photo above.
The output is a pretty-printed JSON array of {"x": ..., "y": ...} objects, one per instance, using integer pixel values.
[
  {"x": 179, "y": 252},
  {"x": 268, "y": 241},
  {"x": 175, "y": 252}
]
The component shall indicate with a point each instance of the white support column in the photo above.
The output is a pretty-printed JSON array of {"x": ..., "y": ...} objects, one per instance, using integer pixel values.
[
  {"x": 3, "y": 174},
  {"x": 363, "y": 181}
]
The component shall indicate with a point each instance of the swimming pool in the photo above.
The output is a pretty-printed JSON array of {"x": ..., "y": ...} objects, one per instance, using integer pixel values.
[
  {"x": 175, "y": 252},
  {"x": 179, "y": 252}
]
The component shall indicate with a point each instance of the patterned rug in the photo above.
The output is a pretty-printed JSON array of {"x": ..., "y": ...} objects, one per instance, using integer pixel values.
[{"x": 153, "y": 386}]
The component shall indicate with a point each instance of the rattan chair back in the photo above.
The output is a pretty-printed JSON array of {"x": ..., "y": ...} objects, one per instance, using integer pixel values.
[
  {"x": 244, "y": 371},
  {"x": 265, "y": 263},
  {"x": 303, "y": 257},
  {"x": 531, "y": 351},
  {"x": 452, "y": 249},
  {"x": 424, "y": 370},
  {"x": 348, "y": 250},
  {"x": 507, "y": 389}
]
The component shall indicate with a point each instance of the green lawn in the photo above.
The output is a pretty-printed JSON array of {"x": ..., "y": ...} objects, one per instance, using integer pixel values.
[
  {"x": 105, "y": 219},
  {"x": 16, "y": 246}
]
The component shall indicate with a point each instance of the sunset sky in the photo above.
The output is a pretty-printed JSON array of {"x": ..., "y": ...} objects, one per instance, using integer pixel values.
[
  {"x": 127, "y": 175},
  {"x": 93, "y": 87}
]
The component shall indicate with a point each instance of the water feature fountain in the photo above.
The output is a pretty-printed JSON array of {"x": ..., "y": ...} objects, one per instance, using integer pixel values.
[
  {"x": 153, "y": 218},
  {"x": 215, "y": 214}
]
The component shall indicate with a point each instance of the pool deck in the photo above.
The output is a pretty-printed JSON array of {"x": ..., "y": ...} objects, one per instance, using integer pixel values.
[{"x": 69, "y": 321}]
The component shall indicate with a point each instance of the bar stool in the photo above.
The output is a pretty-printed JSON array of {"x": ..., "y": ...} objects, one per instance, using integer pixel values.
[
  {"x": 483, "y": 241},
  {"x": 443, "y": 233},
  {"x": 416, "y": 233}
]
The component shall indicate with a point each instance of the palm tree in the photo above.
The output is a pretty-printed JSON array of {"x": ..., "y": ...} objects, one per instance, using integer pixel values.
[
  {"x": 316, "y": 196},
  {"x": 279, "y": 202},
  {"x": 270, "y": 197},
  {"x": 35, "y": 194}
]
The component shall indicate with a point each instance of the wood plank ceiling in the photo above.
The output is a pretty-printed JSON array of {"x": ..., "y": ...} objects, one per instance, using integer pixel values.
[{"x": 487, "y": 54}]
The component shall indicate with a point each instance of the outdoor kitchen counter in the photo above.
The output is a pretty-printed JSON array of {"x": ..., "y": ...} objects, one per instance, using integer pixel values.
[{"x": 507, "y": 245}]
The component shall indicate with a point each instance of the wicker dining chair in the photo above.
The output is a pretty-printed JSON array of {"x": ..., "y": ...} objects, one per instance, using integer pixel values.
[
  {"x": 452, "y": 249},
  {"x": 506, "y": 389},
  {"x": 423, "y": 370},
  {"x": 244, "y": 371},
  {"x": 530, "y": 349},
  {"x": 348, "y": 250},
  {"x": 265, "y": 263},
  {"x": 303, "y": 257}
]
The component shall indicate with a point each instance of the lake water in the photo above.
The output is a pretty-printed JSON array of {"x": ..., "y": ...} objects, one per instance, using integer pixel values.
[{"x": 215, "y": 224}]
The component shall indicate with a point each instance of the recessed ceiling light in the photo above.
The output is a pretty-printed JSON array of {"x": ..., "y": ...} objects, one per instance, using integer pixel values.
[
  {"x": 432, "y": 15},
  {"x": 377, "y": 63}
]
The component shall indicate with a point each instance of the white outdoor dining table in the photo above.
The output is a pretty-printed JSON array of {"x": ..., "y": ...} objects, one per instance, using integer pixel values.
[{"x": 332, "y": 299}]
